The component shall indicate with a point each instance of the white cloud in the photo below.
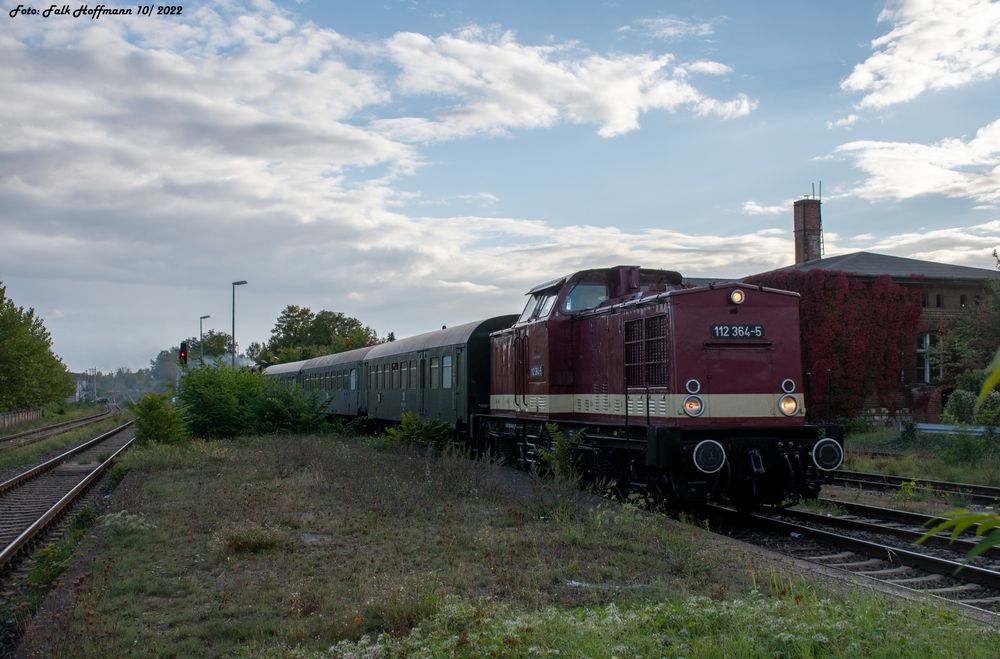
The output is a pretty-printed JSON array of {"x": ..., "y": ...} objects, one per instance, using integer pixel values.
[
  {"x": 933, "y": 45},
  {"x": 498, "y": 84},
  {"x": 485, "y": 198},
  {"x": 673, "y": 28},
  {"x": 705, "y": 67},
  {"x": 753, "y": 208},
  {"x": 953, "y": 167},
  {"x": 971, "y": 246},
  {"x": 844, "y": 122}
]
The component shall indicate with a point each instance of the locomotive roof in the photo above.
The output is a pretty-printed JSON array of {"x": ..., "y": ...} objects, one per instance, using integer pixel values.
[
  {"x": 671, "y": 276},
  {"x": 325, "y": 361},
  {"x": 442, "y": 337},
  {"x": 281, "y": 369}
]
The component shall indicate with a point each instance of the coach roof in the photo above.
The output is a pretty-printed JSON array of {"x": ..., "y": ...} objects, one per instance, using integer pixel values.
[
  {"x": 459, "y": 334},
  {"x": 326, "y": 361}
]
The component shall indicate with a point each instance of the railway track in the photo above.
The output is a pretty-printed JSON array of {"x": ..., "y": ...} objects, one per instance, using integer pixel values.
[
  {"x": 38, "y": 434},
  {"x": 32, "y": 500},
  {"x": 982, "y": 494},
  {"x": 877, "y": 544}
]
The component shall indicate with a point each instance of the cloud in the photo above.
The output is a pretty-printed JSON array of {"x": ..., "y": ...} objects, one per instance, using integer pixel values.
[
  {"x": 498, "y": 84},
  {"x": 970, "y": 246},
  {"x": 672, "y": 28},
  {"x": 705, "y": 67},
  {"x": 485, "y": 198},
  {"x": 845, "y": 122},
  {"x": 753, "y": 208},
  {"x": 953, "y": 167},
  {"x": 933, "y": 45}
]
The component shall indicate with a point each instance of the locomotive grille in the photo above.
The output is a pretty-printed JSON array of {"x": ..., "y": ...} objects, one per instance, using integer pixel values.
[{"x": 646, "y": 352}]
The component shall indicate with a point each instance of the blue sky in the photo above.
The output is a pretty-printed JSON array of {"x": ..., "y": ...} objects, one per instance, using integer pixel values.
[{"x": 423, "y": 163}]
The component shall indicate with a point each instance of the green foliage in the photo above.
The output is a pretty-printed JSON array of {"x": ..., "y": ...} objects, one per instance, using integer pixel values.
[
  {"x": 960, "y": 408},
  {"x": 431, "y": 433},
  {"x": 966, "y": 449},
  {"x": 908, "y": 432},
  {"x": 219, "y": 401},
  {"x": 31, "y": 375},
  {"x": 968, "y": 345},
  {"x": 987, "y": 526},
  {"x": 301, "y": 334},
  {"x": 285, "y": 409},
  {"x": 157, "y": 421},
  {"x": 560, "y": 459},
  {"x": 988, "y": 410},
  {"x": 854, "y": 426}
]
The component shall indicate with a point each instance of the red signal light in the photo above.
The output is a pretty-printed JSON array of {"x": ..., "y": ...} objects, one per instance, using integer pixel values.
[{"x": 183, "y": 354}]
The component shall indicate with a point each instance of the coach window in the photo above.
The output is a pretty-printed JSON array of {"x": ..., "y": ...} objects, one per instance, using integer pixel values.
[
  {"x": 395, "y": 375},
  {"x": 585, "y": 295},
  {"x": 413, "y": 373},
  {"x": 446, "y": 372},
  {"x": 354, "y": 379},
  {"x": 435, "y": 373}
]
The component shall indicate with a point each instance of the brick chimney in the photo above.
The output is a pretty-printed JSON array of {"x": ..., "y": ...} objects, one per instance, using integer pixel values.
[{"x": 808, "y": 231}]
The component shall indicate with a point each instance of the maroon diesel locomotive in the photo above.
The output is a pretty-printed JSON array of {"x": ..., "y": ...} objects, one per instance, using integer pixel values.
[{"x": 697, "y": 392}]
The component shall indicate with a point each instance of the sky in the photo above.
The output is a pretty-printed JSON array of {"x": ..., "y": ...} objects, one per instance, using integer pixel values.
[{"x": 423, "y": 163}]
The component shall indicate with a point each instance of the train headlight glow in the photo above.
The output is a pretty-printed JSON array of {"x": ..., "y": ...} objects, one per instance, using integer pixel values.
[
  {"x": 788, "y": 405},
  {"x": 737, "y": 296},
  {"x": 693, "y": 406}
]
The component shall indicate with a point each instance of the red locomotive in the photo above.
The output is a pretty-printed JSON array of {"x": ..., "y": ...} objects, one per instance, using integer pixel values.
[{"x": 695, "y": 391}]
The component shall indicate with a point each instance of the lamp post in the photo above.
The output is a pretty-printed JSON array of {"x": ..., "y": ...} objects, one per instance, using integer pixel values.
[
  {"x": 201, "y": 338},
  {"x": 235, "y": 284}
]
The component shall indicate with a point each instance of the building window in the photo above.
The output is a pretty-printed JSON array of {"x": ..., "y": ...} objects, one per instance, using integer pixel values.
[
  {"x": 926, "y": 373},
  {"x": 435, "y": 373},
  {"x": 446, "y": 371},
  {"x": 939, "y": 301},
  {"x": 962, "y": 301},
  {"x": 923, "y": 300}
]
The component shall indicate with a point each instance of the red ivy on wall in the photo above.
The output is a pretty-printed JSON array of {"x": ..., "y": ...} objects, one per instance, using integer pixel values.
[{"x": 856, "y": 336}]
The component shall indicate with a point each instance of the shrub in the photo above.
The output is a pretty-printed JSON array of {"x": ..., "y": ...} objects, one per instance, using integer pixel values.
[
  {"x": 431, "y": 433},
  {"x": 282, "y": 410},
  {"x": 560, "y": 458},
  {"x": 960, "y": 407},
  {"x": 220, "y": 401},
  {"x": 158, "y": 421},
  {"x": 988, "y": 413},
  {"x": 966, "y": 448}
]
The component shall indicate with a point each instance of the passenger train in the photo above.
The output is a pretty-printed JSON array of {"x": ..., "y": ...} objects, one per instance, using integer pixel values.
[{"x": 694, "y": 391}]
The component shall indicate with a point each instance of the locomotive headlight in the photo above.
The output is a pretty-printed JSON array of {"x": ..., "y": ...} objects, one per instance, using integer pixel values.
[
  {"x": 692, "y": 386},
  {"x": 788, "y": 405},
  {"x": 737, "y": 296},
  {"x": 693, "y": 406}
]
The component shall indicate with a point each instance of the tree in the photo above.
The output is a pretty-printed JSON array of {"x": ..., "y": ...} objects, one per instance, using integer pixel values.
[
  {"x": 217, "y": 344},
  {"x": 30, "y": 373},
  {"x": 966, "y": 347},
  {"x": 300, "y": 334}
]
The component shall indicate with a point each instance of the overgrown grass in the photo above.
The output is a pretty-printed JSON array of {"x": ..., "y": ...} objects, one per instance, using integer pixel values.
[
  {"x": 306, "y": 546},
  {"x": 31, "y": 453},
  {"x": 963, "y": 457}
]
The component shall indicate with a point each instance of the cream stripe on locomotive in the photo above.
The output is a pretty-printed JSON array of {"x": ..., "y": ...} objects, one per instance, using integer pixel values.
[{"x": 660, "y": 405}]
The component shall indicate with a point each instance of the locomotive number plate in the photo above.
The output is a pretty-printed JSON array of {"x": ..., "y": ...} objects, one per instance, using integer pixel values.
[{"x": 737, "y": 331}]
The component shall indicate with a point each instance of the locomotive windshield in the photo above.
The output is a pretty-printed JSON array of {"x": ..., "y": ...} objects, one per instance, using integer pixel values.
[
  {"x": 585, "y": 295},
  {"x": 539, "y": 306}
]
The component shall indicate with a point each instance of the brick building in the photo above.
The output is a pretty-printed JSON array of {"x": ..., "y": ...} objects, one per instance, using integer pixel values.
[{"x": 945, "y": 291}]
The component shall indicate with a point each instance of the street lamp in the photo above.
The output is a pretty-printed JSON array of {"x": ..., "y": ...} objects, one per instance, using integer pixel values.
[
  {"x": 235, "y": 284},
  {"x": 201, "y": 338}
]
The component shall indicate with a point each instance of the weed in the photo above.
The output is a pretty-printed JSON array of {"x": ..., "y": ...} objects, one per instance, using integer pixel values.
[
  {"x": 428, "y": 433},
  {"x": 561, "y": 459},
  {"x": 251, "y": 540},
  {"x": 910, "y": 491}
]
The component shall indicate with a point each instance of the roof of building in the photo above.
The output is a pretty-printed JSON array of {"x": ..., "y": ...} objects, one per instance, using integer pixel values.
[{"x": 870, "y": 264}]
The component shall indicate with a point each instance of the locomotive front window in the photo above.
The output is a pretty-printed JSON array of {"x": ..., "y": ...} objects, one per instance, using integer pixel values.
[
  {"x": 545, "y": 306},
  {"x": 584, "y": 296},
  {"x": 529, "y": 309}
]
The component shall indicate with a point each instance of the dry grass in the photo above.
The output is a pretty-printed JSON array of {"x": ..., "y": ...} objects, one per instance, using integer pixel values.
[{"x": 310, "y": 541}]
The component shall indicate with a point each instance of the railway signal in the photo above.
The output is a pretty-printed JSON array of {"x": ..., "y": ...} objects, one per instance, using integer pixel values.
[{"x": 183, "y": 354}]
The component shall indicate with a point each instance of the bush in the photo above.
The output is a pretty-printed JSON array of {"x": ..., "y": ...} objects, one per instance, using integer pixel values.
[
  {"x": 561, "y": 458},
  {"x": 988, "y": 413},
  {"x": 431, "y": 433},
  {"x": 854, "y": 426},
  {"x": 966, "y": 448},
  {"x": 220, "y": 401},
  {"x": 283, "y": 410},
  {"x": 157, "y": 421},
  {"x": 960, "y": 407}
]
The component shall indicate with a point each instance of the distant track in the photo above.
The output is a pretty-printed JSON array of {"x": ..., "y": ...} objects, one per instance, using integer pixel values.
[
  {"x": 38, "y": 434},
  {"x": 976, "y": 493}
]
